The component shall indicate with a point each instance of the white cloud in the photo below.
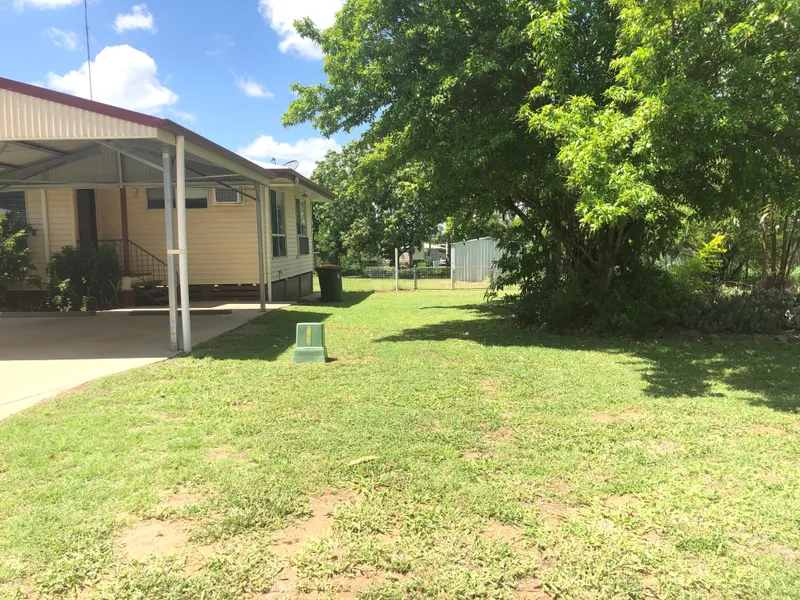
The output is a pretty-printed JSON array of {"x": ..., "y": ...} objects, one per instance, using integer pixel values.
[
  {"x": 183, "y": 115},
  {"x": 281, "y": 15},
  {"x": 45, "y": 4},
  {"x": 139, "y": 18},
  {"x": 63, "y": 39},
  {"x": 122, "y": 76},
  {"x": 222, "y": 43},
  {"x": 252, "y": 88},
  {"x": 309, "y": 152}
]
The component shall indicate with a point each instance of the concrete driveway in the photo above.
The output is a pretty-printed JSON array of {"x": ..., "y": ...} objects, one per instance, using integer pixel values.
[{"x": 41, "y": 357}]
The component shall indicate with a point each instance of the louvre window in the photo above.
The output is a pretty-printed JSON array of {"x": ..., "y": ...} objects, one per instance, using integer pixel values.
[
  {"x": 195, "y": 198},
  {"x": 303, "y": 242},
  {"x": 278, "y": 214},
  {"x": 12, "y": 204}
]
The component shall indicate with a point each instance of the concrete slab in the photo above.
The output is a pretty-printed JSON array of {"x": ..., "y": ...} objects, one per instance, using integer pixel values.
[{"x": 44, "y": 356}]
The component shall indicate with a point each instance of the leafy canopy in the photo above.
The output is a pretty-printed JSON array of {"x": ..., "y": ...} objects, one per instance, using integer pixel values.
[{"x": 599, "y": 125}]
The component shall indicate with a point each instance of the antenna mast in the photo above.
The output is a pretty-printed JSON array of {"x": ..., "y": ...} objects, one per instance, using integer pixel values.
[{"x": 88, "y": 48}]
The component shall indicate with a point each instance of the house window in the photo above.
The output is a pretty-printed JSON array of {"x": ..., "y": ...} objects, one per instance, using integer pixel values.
[
  {"x": 12, "y": 204},
  {"x": 303, "y": 243},
  {"x": 278, "y": 213},
  {"x": 227, "y": 196},
  {"x": 195, "y": 198}
]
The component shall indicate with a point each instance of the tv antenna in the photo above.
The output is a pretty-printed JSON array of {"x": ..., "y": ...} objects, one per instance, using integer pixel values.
[
  {"x": 88, "y": 47},
  {"x": 292, "y": 164}
]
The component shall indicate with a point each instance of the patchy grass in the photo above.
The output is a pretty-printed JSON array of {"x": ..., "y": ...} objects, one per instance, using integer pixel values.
[{"x": 442, "y": 455}]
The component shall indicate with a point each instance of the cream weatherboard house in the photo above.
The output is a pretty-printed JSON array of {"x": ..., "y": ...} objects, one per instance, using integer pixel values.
[
  {"x": 223, "y": 259},
  {"x": 85, "y": 173}
]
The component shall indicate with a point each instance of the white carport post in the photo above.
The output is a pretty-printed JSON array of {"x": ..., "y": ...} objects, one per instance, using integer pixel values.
[
  {"x": 262, "y": 286},
  {"x": 166, "y": 160},
  {"x": 268, "y": 200},
  {"x": 183, "y": 257}
]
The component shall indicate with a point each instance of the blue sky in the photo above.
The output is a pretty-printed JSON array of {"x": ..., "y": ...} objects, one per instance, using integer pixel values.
[{"x": 220, "y": 68}]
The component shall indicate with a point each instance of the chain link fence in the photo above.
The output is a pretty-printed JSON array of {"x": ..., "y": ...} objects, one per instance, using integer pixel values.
[
  {"x": 472, "y": 268},
  {"x": 389, "y": 279}
]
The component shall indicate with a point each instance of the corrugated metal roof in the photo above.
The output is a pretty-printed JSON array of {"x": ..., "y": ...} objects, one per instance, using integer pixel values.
[
  {"x": 24, "y": 117},
  {"x": 33, "y": 114}
]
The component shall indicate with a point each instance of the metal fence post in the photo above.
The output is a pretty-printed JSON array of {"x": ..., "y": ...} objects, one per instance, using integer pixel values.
[
  {"x": 396, "y": 269},
  {"x": 452, "y": 267}
]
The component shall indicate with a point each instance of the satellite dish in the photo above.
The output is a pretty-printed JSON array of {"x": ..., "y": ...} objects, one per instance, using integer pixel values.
[{"x": 292, "y": 164}]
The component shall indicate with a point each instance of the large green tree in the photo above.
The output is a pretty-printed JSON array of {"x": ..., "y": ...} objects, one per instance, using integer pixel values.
[
  {"x": 596, "y": 124},
  {"x": 379, "y": 206}
]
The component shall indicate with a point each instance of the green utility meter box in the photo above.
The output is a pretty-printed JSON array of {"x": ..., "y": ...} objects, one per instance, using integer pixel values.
[{"x": 310, "y": 344}]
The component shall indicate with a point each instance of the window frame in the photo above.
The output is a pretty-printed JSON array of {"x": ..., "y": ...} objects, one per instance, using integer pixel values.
[
  {"x": 189, "y": 199},
  {"x": 301, "y": 210},
  {"x": 277, "y": 208}
]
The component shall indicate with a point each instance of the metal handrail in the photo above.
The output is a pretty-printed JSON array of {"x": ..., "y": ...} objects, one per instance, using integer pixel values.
[{"x": 144, "y": 265}]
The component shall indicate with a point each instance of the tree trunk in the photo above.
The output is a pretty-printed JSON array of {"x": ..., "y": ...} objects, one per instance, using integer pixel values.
[
  {"x": 774, "y": 232},
  {"x": 763, "y": 252},
  {"x": 785, "y": 243}
]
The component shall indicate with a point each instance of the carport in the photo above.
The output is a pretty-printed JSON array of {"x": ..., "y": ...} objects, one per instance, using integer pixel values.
[{"x": 50, "y": 140}]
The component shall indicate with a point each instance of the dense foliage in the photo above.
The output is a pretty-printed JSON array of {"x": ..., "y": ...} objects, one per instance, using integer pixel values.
[
  {"x": 376, "y": 210},
  {"x": 606, "y": 129},
  {"x": 16, "y": 265},
  {"x": 84, "y": 279}
]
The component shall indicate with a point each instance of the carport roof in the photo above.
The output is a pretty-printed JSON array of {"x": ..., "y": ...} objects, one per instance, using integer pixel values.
[{"x": 51, "y": 139}]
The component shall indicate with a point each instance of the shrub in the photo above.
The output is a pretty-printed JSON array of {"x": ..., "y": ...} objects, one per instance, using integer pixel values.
[
  {"x": 15, "y": 256},
  {"x": 652, "y": 299},
  {"x": 433, "y": 272},
  {"x": 733, "y": 310},
  {"x": 85, "y": 279}
]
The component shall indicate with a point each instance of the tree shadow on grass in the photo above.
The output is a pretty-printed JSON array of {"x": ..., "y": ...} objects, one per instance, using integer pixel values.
[
  {"x": 269, "y": 336},
  {"x": 672, "y": 368}
]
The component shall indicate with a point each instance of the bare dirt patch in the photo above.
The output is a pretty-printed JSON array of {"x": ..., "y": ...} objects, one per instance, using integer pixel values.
[
  {"x": 652, "y": 537},
  {"x": 664, "y": 447},
  {"x": 216, "y": 454},
  {"x": 196, "y": 560},
  {"x": 553, "y": 514},
  {"x": 766, "y": 429},
  {"x": 496, "y": 530},
  {"x": 476, "y": 455},
  {"x": 292, "y": 539},
  {"x": 622, "y": 501},
  {"x": 603, "y": 417},
  {"x": 773, "y": 478},
  {"x": 488, "y": 386},
  {"x": 765, "y": 546},
  {"x": 153, "y": 538},
  {"x": 182, "y": 499},
  {"x": 632, "y": 414},
  {"x": 531, "y": 589},
  {"x": 785, "y": 553},
  {"x": 560, "y": 487},
  {"x": 498, "y": 436},
  {"x": 345, "y": 587}
]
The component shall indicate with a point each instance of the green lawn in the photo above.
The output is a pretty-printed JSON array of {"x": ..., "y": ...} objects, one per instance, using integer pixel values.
[{"x": 443, "y": 454}]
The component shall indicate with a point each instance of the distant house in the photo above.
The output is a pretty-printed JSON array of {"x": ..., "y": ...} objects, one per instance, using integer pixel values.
[{"x": 433, "y": 254}]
